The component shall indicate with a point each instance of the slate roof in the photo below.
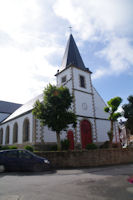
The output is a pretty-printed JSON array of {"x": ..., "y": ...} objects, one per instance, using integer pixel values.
[
  {"x": 3, "y": 116},
  {"x": 8, "y": 107},
  {"x": 72, "y": 55},
  {"x": 24, "y": 108}
]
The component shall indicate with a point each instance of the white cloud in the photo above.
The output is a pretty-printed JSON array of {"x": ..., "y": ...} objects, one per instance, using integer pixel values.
[
  {"x": 119, "y": 55},
  {"x": 91, "y": 17},
  {"x": 16, "y": 15},
  {"x": 25, "y": 49},
  {"x": 99, "y": 73},
  {"x": 20, "y": 75}
]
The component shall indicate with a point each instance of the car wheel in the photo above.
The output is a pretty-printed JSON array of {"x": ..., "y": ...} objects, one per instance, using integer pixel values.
[
  {"x": 37, "y": 168},
  {"x": 2, "y": 168}
]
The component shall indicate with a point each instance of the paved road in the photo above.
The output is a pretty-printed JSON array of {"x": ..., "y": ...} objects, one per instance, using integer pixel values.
[{"x": 105, "y": 183}]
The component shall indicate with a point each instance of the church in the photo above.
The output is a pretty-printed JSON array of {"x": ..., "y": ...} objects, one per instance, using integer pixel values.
[{"x": 21, "y": 128}]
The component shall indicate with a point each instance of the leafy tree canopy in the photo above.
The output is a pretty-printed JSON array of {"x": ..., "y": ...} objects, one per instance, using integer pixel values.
[
  {"x": 112, "y": 107},
  {"x": 55, "y": 111},
  {"x": 128, "y": 108},
  {"x": 128, "y": 113}
]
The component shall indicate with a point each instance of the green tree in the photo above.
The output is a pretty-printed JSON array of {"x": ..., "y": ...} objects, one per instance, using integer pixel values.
[
  {"x": 112, "y": 108},
  {"x": 128, "y": 113},
  {"x": 54, "y": 111}
]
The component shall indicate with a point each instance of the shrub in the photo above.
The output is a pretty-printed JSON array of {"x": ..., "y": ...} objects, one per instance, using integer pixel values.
[
  {"x": 29, "y": 148},
  {"x": 65, "y": 144},
  {"x": 105, "y": 145},
  {"x": 91, "y": 146},
  {"x": 13, "y": 147},
  {"x": 4, "y": 147}
]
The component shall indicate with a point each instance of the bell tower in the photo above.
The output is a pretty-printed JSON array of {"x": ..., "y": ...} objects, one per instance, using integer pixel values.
[{"x": 74, "y": 75}]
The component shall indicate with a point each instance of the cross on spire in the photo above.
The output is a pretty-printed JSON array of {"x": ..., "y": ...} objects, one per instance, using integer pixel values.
[{"x": 70, "y": 29}]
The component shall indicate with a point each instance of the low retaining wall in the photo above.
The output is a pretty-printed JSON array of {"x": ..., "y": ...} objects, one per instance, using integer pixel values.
[{"x": 91, "y": 158}]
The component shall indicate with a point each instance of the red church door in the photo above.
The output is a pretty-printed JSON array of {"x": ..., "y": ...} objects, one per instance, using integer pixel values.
[
  {"x": 70, "y": 137},
  {"x": 86, "y": 136}
]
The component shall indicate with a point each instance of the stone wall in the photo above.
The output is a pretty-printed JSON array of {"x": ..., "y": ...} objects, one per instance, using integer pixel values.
[{"x": 91, "y": 158}]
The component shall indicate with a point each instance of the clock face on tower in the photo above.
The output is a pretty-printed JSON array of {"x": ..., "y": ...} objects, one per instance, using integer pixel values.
[{"x": 84, "y": 106}]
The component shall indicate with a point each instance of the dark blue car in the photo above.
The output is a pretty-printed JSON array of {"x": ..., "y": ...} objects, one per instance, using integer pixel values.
[{"x": 22, "y": 160}]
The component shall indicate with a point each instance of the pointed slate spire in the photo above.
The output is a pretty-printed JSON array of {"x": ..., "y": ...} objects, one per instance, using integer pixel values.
[{"x": 72, "y": 55}]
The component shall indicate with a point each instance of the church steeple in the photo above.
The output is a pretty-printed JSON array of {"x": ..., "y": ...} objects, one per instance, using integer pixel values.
[{"x": 72, "y": 55}]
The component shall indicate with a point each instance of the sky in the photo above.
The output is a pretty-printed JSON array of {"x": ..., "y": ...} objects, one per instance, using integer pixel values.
[{"x": 33, "y": 37}]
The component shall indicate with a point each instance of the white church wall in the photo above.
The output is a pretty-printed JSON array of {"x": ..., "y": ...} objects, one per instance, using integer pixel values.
[
  {"x": 49, "y": 135},
  {"x": 19, "y": 121},
  {"x": 68, "y": 82},
  {"x": 69, "y": 85},
  {"x": 99, "y": 105},
  {"x": 66, "y": 73},
  {"x": 3, "y": 135},
  {"x": 38, "y": 130},
  {"x": 76, "y": 75},
  {"x": 93, "y": 129},
  {"x": 45, "y": 134},
  {"x": 11, "y": 134},
  {"x": 4, "y": 132},
  {"x": 83, "y": 103},
  {"x": 103, "y": 126}
]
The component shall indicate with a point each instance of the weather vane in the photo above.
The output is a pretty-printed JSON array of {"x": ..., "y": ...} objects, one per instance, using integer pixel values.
[{"x": 70, "y": 29}]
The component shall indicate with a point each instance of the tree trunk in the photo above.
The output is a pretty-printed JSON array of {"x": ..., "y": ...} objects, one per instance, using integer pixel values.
[
  {"x": 111, "y": 138},
  {"x": 58, "y": 141}
]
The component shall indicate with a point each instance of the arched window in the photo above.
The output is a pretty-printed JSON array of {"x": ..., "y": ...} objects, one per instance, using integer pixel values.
[
  {"x": 15, "y": 133},
  {"x": 7, "y": 135},
  {"x": 26, "y": 130},
  {"x": 1, "y": 135}
]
